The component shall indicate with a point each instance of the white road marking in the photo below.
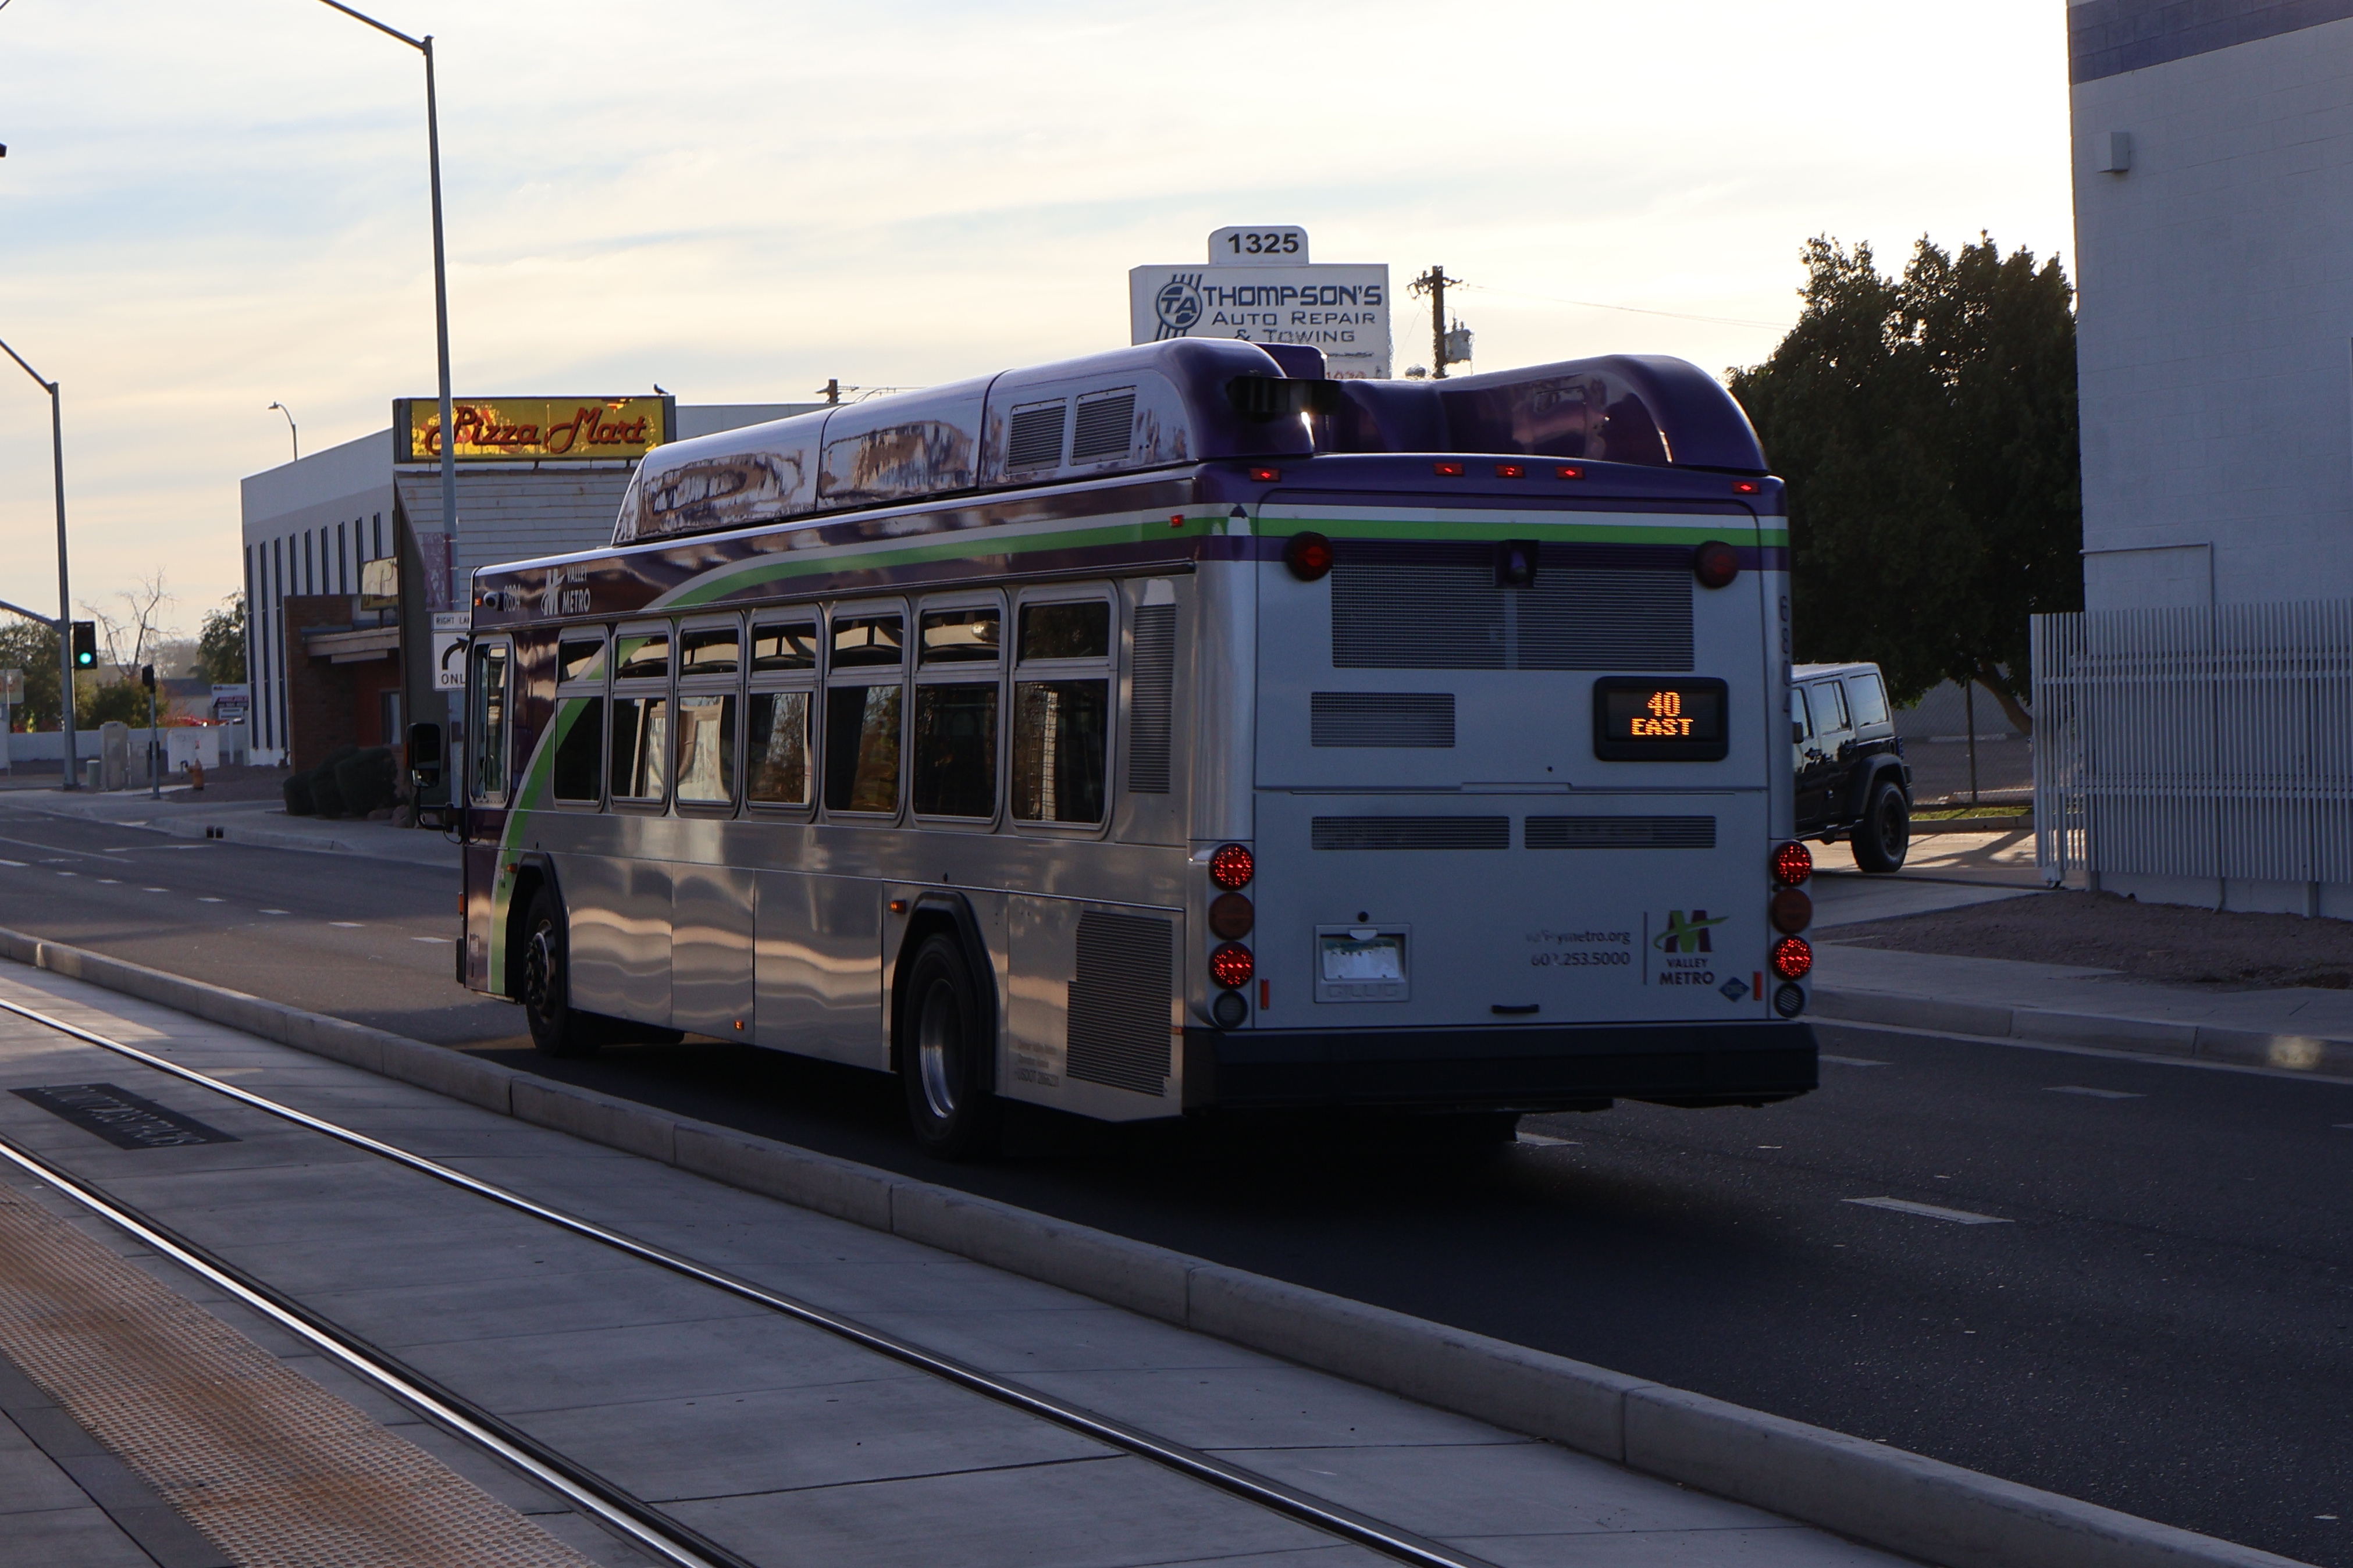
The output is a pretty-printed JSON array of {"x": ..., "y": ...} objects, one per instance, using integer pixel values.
[
  {"x": 1929, "y": 1211},
  {"x": 69, "y": 873},
  {"x": 452, "y": 939},
  {"x": 2093, "y": 1093},
  {"x": 110, "y": 881},
  {"x": 2345, "y": 1126},
  {"x": 1538, "y": 1139},
  {"x": 347, "y": 925},
  {"x": 205, "y": 901},
  {"x": 1848, "y": 1061},
  {"x": 18, "y": 863},
  {"x": 155, "y": 889},
  {"x": 273, "y": 911}
]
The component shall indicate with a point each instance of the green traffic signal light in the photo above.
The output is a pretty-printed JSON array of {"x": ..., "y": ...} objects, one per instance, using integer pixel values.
[{"x": 85, "y": 645}]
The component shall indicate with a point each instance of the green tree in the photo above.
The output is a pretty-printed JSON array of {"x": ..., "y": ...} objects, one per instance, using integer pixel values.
[
  {"x": 1926, "y": 427},
  {"x": 31, "y": 646},
  {"x": 95, "y": 703},
  {"x": 220, "y": 643}
]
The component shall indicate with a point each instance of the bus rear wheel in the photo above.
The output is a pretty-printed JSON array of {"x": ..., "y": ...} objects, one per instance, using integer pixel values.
[
  {"x": 1884, "y": 834},
  {"x": 945, "y": 1056},
  {"x": 555, "y": 1028}
]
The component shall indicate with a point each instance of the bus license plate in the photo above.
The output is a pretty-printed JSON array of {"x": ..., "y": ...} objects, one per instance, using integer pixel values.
[{"x": 1356, "y": 965}]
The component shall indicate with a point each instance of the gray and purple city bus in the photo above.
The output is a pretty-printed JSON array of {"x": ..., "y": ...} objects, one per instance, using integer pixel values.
[{"x": 1164, "y": 732}]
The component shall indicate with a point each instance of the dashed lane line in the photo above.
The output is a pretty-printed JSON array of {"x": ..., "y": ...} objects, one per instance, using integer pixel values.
[
  {"x": 1927, "y": 1211},
  {"x": 1847, "y": 1061},
  {"x": 2090, "y": 1093}
]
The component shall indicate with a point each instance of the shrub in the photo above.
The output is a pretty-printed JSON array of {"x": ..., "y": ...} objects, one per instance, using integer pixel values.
[
  {"x": 367, "y": 780},
  {"x": 296, "y": 788},
  {"x": 326, "y": 795}
]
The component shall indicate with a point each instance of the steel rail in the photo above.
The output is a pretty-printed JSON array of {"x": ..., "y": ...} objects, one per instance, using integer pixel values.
[
  {"x": 644, "y": 1526},
  {"x": 1402, "y": 1545}
]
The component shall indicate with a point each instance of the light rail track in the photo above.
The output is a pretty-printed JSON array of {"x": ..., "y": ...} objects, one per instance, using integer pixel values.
[{"x": 640, "y": 1522}]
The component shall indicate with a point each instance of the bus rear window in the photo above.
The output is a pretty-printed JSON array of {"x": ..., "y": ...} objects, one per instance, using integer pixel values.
[
  {"x": 1081, "y": 630},
  {"x": 867, "y": 640}
]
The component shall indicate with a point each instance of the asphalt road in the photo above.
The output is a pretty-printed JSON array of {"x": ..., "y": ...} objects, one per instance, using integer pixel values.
[{"x": 2157, "y": 1318}]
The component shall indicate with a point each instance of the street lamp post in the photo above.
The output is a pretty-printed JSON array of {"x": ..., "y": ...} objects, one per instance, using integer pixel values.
[
  {"x": 423, "y": 45},
  {"x": 65, "y": 593},
  {"x": 292, "y": 430}
]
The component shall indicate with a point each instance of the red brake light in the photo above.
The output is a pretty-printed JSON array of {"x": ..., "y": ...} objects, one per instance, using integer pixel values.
[
  {"x": 1715, "y": 563},
  {"x": 1746, "y": 487},
  {"x": 1791, "y": 911},
  {"x": 1791, "y": 958},
  {"x": 1309, "y": 555},
  {"x": 1570, "y": 472},
  {"x": 1511, "y": 471},
  {"x": 1447, "y": 470},
  {"x": 1231, "y": 866},
  {"x": 1793, "y": 864},
  {"x": 1230, "y": 965},
  {"x": 1266, "y": 476}
]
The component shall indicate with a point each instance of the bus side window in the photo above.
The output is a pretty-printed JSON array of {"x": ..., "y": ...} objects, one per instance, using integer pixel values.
[
  {"x": 1061, "y": 712},
  {"x": 776, "y": 737},
  {"x": 708, "y": 660},
  {"x": 639, "y": 750},
  {"x": 490, "y": 722},
  {"x": 862, "y": 716},
  {"x": 577, "y": 777},
  {"x": 956, "y": 664}
]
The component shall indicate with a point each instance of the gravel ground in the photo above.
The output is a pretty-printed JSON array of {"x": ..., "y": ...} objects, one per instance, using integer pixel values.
[{"x": 2168, "y": 942}]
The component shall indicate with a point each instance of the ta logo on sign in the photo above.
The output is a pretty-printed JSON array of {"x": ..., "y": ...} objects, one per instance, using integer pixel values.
[
  {"x": 1686, "y": 935},
  {"x": 1178, "y": 305}
]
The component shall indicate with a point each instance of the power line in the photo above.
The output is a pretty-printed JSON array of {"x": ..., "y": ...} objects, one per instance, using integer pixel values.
[{"x": 1630, "y": 309}]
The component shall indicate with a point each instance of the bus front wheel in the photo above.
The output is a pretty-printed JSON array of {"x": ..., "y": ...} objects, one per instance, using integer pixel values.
[
  {"x": 555, "y": 1028},
  {"x": 944, "y": 1056}
]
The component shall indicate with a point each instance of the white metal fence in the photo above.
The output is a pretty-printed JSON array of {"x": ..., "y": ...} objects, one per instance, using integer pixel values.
[{"x": 2213, "y": 742}]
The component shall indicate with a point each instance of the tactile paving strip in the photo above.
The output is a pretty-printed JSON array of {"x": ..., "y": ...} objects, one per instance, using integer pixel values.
[{"x": 272, "y": 1467}]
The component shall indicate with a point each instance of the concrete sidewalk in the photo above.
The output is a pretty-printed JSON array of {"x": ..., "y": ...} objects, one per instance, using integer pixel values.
[
  {"x": 264, "y": 824},
  {"x": 2291, "y": 1027},
  {"x": 783, "y": 1443}
]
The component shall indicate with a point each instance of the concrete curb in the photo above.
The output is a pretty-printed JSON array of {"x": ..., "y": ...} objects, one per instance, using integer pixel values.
[
  {"x": 1885, "y": 1497},
  {"x": 235, "y": 831},
  {"x": 2157, "y": 1036}
]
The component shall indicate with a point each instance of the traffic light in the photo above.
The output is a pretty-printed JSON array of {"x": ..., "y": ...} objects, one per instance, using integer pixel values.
[
  {"x": 147, "y": 676},
  {"x": 85, "y": 645}
]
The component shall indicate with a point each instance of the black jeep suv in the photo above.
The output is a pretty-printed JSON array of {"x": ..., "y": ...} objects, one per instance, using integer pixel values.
[{"x": 1853, "y": 779}]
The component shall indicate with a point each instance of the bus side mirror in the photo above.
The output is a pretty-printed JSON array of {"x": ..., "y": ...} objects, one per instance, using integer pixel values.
[{"x": 427, "y": 784}]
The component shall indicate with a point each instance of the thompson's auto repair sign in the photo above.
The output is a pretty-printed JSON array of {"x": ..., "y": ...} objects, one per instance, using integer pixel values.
[{"x": 1259, "y": 286}]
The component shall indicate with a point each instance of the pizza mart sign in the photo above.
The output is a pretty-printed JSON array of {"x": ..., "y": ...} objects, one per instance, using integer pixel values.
[{"x": 1259, "y": 286}]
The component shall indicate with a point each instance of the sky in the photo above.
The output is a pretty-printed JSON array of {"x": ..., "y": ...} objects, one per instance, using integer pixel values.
[{"x": 206, "y": 207}]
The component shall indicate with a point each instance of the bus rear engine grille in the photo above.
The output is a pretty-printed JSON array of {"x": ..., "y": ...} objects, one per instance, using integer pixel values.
[
  {"x": 1382, "y": 719},
  {"x": 1118, "y": 1018},
  {"x": 1621, "y": 833},
  {"x": 1410, "y": 831}
]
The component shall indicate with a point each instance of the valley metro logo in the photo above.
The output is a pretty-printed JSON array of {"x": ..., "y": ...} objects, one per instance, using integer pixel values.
[{"x": 1686, "y": 936}]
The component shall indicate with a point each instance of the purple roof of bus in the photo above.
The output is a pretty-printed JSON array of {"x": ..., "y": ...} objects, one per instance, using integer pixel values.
[{"x": 1178, "y": 402}]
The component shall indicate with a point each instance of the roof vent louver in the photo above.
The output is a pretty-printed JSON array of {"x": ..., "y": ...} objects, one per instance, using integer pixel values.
[
  {"x": 1034, "y": 436},
  {"x": 1106, "y": 426}
]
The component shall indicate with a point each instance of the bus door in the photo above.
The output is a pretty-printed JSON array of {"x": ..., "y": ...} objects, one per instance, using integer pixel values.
[{"x": 490, "y": 703}]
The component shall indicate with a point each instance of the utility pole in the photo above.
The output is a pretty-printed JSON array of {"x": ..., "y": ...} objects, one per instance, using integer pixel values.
[
  {"x": 1433, "y": 283},
  {"x": 833, "y": 390}
]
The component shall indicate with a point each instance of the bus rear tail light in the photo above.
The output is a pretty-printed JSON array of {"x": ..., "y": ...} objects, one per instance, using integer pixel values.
[
  {"x": 1447, "y": 470},
  {"x": 1231, "y": 917},
  {"x": 1264, "y": 475},
  {"x": 1746, "y": 487},
  {"x": 1791, "y": 911},
  {"x": 1309, "y": 555},
  {"x": 1511, "y": 471},
  {"x": 1231, "y": 966},
  {"x": 1570, "y": 472},
  {"x": 1231, "y": 866},
  {"x": 1715, "y": 563},
  {"x": 1793, "y": 864},
  {"x": 1792, "y": 957}
]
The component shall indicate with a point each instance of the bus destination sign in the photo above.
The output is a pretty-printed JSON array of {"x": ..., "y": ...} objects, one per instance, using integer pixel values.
[{"x": 1677, "y": 721}]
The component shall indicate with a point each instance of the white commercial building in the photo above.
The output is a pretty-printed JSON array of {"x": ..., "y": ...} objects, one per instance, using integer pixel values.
[
  {"x": 536, "y": 477},
  {"x": 2195, "y": 725}
]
